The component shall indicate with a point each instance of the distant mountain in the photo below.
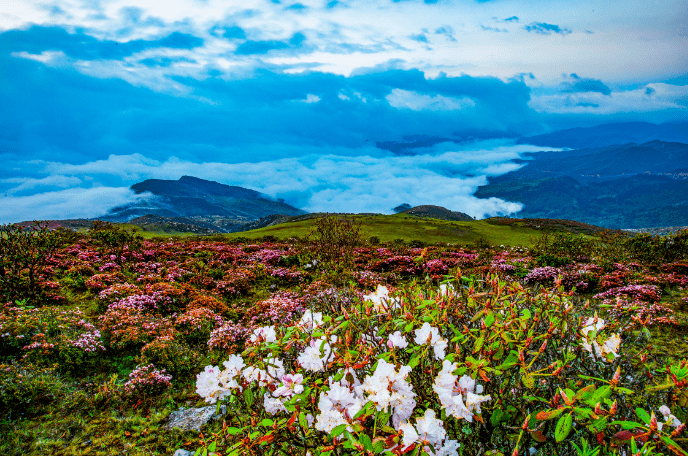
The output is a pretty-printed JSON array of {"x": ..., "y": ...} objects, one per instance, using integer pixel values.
[
  {"x": 438, "y": 212},
  {"x": 610, "y": 134},
  {"x": 194, "y": 197},
  {"x": 624, "y": 186}
]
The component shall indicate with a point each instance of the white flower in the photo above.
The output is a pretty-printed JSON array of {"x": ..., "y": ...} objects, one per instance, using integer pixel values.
[
  {"x": 273, "y": 405},
  {"x": 430, "y": 428},
  {"x": 428, "y": 334},
  {"x": 396, "y": 339},
  {"x": 310, "y": 320},
  {"x": 380, "y": 299},
  {"x": 275, "y": 369},
  {"x": 317, "y": 354},
  {"x": 208, "y": 384},
  {"x": 452, "y": 393},
  {"x": 329, "y": 420},
  {"x": 291, "y": 385},
  {"x": 669, "y": 419},
  {"x": 253, "y": 374},
  {"x": 590, "y": 330},
  {"x": 387, "y": 387},
  {"x": 264, "y": 334},
  {"x": 410, "y": 435}
]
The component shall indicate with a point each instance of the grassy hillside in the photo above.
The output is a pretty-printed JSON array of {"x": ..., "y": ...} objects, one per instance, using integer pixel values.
[{"x": 401, "y": 226}]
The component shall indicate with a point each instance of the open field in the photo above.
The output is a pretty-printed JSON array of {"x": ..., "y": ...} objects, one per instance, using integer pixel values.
[{"x": 107, "y": 342}]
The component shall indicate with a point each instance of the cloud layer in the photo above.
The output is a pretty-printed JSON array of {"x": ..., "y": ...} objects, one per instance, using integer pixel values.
[
  {"x": 445, "y": 175},
  {"x": 293, "y": 98}
]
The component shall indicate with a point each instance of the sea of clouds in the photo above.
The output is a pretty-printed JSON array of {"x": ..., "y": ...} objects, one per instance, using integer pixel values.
[{"x": 370, "y": 180}]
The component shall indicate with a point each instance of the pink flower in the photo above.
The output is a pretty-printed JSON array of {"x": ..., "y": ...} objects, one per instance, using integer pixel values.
[{"x": 291, "y": 384}]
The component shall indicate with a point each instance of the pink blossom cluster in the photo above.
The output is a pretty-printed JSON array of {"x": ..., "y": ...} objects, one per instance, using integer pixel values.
[
  {"x": 541, "y": 275},
  {"x": 109, "y": 267},
  {"x": 227, "y": 335},
  {"x": 89, "y": 341},
  {"x": 141, "y": 302},
  {"x": 147, "y": 379},
  {"x": 649, "y": 293}
]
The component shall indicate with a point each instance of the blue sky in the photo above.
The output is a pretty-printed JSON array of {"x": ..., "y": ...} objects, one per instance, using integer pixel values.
[{"x": 294, "y": 98}]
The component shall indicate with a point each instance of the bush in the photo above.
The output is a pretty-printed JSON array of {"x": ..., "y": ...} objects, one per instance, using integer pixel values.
[
  {"x": 24, "y": 258},
  {"x": 486, "y": 367},
  {"x": 332, "y": 241},
  {"x": 115, "y": 241},
  {"x": 172, "y": 355}
]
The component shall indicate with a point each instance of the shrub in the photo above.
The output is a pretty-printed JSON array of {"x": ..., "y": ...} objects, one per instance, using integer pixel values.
[
  {"x": 332, "y": 241},
  {"x": 115, "y": 241},
  {"x": 485, "y": 368},
  {"x": 146, "y": 381},
  {"x": 50, "y": 335},
  {"x": 171, "y": 354},
  {"x": 24, "y": 259}
]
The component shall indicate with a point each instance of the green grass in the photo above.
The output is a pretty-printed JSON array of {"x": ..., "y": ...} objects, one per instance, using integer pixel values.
[{"x": 401, "y": 226}]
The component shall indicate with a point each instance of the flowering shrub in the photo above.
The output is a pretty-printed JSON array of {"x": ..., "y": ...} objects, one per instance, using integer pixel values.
[
  {"x": 49, "y": 334},
  {"x": 147, "y": 381},
  {"x": 487, "y": 368}
]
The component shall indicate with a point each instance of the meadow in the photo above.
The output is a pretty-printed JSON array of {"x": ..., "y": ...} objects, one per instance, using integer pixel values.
[{"x": 339, "y": 335}]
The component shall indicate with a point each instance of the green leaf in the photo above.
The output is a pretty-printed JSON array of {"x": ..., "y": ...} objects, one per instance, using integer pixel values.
[
  {"x": 366, "y": 442},
  {"x": 233, "y": 430},
  {"x": 585, "y": 393},
  {"x": 643, "y": 415},
  {"x": 627, "y": 424},
  {"x": 563, "y": 427},
  {"x": 267, "y": 422},
  {"x": 598, "y": 425},
  {"x": 478, "y": 344},
  {"x": 198, "y": 452},
  {"x": 339, "y": 430},
  {"x": 212, "y": 446},
  {"x": 496, "y": 417},
  {"x": 248, "y": 397},
  {"x": 549, "y": 414},
  {"x": 603, "y": 392},
  {"x": 489, "y": 319},
  {"x": 378, "y": 447},
  {"x": 303, "y": 421},
  {"x": 528, "y": 381}
]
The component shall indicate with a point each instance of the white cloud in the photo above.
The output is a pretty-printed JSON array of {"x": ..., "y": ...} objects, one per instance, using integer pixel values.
[
  {"x": 400, "y": 98},
  {"x": 445, "y": 175},
  {"x": 650, "y": 98},
  {"x": 628, "y": 44},
  {"x": 65, "y": 204}
]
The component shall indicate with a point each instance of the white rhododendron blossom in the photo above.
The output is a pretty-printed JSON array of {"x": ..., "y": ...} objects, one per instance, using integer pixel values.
[
  {"x": 233, "y": 367},
  {"x": 271, "y": 375},
  {"x": 208, "y": 384},
  {"x": 317, "y": 354},
  {"x": 669, "y": 419},
  {"x": 459, "y": 398},
  {"x": 310, "y": 320},
  {"x": 265, "y": 334},
  {"x": 428, "y": 334},
  {"x": 429, "y": 431},
  {"x": 381, "y": 300},
  {"x": 396, "y": 339},
  {"x": 291, "y": 385},
  {"x": 273, "y": 405},
  {"x": 590, "y": 329},
  {"x": 387, "y": 387}
]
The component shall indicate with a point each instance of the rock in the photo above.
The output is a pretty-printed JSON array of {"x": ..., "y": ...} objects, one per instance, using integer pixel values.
[
  {"x": 192, "y": 419},
  {"x": 183, "y": 453}
]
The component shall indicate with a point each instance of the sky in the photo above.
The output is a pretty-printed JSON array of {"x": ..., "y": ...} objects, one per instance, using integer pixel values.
[{"x": 308, "y": 101}]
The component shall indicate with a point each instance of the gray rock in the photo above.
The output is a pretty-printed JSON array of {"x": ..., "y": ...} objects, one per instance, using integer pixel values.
[
  {"x": 192, "y": 419},
  {"x": 181, "y": 452}
]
